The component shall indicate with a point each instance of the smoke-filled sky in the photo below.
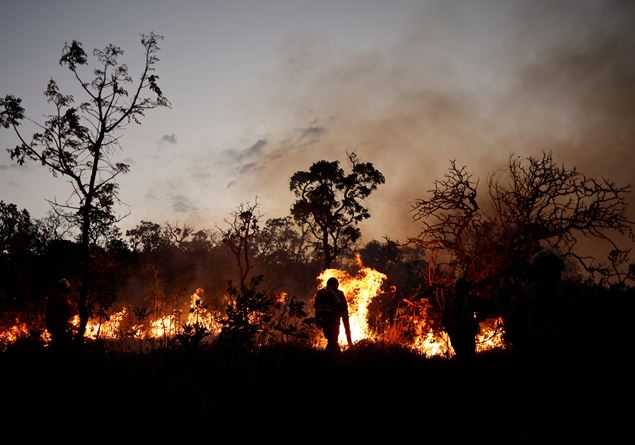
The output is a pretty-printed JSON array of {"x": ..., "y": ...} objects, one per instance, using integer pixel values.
[{"x": 261, "y": 89}]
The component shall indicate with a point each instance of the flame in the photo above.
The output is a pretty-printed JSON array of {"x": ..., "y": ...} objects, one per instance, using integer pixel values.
[
  {"x": 360, "y": 290},
  {"x": 12, "y": 333},
  {"x": 200, "y": 314},
  {"x": 413, "y": 325},
  {"x": 491, "y": 335}
]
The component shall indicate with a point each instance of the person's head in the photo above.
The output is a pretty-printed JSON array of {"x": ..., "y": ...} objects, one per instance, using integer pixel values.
[
  {"x": 332, "y": 283},
  {"x": 547, "y": 265},
  {"x": 462, "y": 285},
  {"x": 63, "y": 286}
]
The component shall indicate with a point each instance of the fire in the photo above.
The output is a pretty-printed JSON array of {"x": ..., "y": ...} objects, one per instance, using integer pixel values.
[
  {"x": 360, "y": 290},
  {"x": 11, "y": 334},
  {"x": 119, "y": 324},
  {"x": 490, "y": 335},
  {"x": 107, "y": 329},
  {"x": 413, "y": 323},
  {"x": 199, "y": 314}
]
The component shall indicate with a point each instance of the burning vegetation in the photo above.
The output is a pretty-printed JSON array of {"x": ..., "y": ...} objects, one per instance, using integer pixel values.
[{"x": 362, "y": 285}]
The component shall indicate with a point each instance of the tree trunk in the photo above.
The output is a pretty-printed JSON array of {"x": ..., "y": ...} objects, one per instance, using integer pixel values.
[
  {"x": 85, "y": 255},
  {"x": 328, "y": 258}
]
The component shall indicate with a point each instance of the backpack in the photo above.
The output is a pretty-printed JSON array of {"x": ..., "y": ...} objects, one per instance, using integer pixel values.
[{"x": 327, "y": 302}]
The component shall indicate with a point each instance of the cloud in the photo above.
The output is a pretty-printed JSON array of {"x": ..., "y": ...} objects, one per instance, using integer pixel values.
[
  {"x": 313, "y": 132},
  {"x": 183, "y": 204},
  {"x": 17, "y": 166},
  {"x": 169, "y": 138},
  {"x": 254, "y": 150},
  {"x": 236, "y": 156}
]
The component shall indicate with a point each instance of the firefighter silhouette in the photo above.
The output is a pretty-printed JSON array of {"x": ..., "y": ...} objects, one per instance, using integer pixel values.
[
  {"x": 460, "y": 321},
  {"x": 330, "y": 308}
]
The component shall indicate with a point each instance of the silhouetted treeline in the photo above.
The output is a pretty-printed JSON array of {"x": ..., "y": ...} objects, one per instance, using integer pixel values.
[{"x": 155, "y": 265}]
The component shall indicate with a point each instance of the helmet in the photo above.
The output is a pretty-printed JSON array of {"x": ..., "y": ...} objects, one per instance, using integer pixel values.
[
  {"x": 63, "y": 285},
  {"x": 547, "y": 259},
  {"x": 462, "y": 285}
]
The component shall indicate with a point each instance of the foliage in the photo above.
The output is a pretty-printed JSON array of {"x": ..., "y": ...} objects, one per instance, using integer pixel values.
[
  {"x": 328, "y": 202},
  {"x": 246, "y": 314},
  {"x": 191, "y": 336}
]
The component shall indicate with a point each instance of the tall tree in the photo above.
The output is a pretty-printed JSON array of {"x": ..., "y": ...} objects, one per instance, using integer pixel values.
[
  {"x": 79, "y": 142},
  {"x": 329, "y": 203}
]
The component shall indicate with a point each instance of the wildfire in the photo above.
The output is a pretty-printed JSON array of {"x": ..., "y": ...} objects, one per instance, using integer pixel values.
[
  {"x": 412, "y": 325},
  {"x": 364, "y": 286},
  {"x": 360, "y": 289},
  {"x": 11, "y": 334},
  {"x": 119, "y": 324}
]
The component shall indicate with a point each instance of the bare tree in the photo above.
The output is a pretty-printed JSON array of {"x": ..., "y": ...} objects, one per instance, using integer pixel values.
[
  {"x": 79, "y": 142},
  {"x": 532, "y": 201},
  {"x": 240, "y": 234}
]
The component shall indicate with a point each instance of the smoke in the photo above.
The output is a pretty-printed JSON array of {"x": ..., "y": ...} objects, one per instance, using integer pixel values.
[
  {"x": 169, "y": 138},
  {"x": 469, "y": 82}
]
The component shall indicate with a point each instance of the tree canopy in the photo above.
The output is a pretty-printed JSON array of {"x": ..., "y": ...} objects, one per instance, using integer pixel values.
[{"x": 328, "y": 202}]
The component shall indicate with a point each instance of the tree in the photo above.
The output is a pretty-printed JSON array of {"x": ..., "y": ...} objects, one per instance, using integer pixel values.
[
  {"x": 240, "y": 236},
  {"x": 281, "y": 242},
  {"x": 533, "y": 201},
  {"x": 148, "y": 237},
  {"x": 328, "y": 202},
  {"x": 247, "y": 314},
  {"x": 79, "y": 142},
  {"x": 19, "y": 242}
]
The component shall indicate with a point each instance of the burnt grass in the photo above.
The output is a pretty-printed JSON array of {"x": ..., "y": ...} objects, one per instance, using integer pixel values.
[{"x": 383, "y": 385}]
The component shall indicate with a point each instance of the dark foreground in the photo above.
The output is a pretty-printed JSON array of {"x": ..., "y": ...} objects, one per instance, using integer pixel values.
[{"x": 372, "y": 386}]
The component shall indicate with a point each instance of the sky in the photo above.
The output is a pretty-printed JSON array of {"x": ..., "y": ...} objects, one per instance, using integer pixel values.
[{"x": 261, "y": 89}]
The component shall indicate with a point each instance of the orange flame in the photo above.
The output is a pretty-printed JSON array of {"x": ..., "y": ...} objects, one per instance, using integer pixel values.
[{"x": 360, "y": 290}]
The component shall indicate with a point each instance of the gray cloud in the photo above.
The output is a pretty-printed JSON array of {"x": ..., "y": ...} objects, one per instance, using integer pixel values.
[
  {"x": 254, "y": 150},
  {"x": 313, "y": 132},
  {"x": 236, "y": 156},
  {"x": 169, "y": 138},
  {"x": 248, "y": 168},
  {"x": 183, "y": 204},
  {"x": 16, "y": 166}
]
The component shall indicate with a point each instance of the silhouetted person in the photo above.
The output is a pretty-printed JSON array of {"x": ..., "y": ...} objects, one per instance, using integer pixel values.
[
  {"x": 59, "y": 310},
  {"x": 546, "y": 305},
  {"x": 330, "y": 307},
  {"x": 460, "y": 322}
]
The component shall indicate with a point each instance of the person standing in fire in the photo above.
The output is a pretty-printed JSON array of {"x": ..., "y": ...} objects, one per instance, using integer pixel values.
[
  {"x": 59, "y": 310},
  {"x": 330, "y": 307},
  {"x": 459, "y": 319}
]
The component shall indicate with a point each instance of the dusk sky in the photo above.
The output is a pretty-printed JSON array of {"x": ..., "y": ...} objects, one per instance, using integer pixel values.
[{"x": 260, "y": 89}]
